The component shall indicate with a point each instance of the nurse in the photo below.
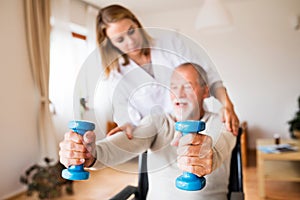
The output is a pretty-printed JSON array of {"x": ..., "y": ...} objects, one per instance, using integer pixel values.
[{"x": 138, "y": 67}]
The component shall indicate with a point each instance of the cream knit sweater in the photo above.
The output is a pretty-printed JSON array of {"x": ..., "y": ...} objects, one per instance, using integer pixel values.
[{"x": 155, "y": 134}]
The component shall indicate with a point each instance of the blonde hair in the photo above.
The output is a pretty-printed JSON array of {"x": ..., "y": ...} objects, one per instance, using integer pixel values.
[{"x": 109, "y": 53}]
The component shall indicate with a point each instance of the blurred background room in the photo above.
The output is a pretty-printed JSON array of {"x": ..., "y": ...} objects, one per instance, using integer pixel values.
[{"x": 255, "y": 45}]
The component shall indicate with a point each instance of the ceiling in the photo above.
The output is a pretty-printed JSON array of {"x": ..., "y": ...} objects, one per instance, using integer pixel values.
[{"x": 149, "y": 6}]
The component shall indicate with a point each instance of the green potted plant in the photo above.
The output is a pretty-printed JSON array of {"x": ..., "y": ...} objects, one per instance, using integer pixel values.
[
  {"x": 295, "y": 124},
  {"x": 46, "y": 180}
]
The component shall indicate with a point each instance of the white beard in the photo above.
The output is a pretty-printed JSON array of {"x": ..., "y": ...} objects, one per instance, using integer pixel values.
[{"x": 184, "y": 109}]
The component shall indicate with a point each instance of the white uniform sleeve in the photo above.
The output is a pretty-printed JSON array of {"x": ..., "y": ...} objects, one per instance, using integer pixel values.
[
  {"x": 112, "y": 105},
  {"x": 102, "y": 107}
]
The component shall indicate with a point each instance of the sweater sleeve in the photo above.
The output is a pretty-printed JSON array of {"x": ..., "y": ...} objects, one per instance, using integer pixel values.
[
  {"x": 117, "y": 148},
  {"x": 223, "y": 148}
]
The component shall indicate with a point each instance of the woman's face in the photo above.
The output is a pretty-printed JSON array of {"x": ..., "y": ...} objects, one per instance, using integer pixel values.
[{"x": 125, "y": 36}]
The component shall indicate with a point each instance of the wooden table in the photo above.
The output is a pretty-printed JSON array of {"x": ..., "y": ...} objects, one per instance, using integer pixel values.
[{"x": 277, "y": 166}]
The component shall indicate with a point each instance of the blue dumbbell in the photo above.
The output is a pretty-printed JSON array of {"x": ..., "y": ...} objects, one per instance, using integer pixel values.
[
  {"x": 77, "y": 172},
  {"x": 189, "y": 181}
]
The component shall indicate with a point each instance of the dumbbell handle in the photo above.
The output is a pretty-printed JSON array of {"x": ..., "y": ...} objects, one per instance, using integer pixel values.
[
  {"x": 189, "y": 181},
  {"x": 77, "y": 172}
]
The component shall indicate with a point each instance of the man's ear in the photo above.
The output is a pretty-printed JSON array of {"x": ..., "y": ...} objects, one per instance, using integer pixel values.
[{"x": 206, "y": 92}]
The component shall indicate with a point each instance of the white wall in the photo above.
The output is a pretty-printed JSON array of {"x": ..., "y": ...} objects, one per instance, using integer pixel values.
[
  {"x": 18, "y": 116},
  {"x": 259, "y": 60}
]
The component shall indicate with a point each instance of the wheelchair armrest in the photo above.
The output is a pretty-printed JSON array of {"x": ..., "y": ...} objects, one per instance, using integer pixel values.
[
  {"x": 237, "y": 196},
  {"x": 126, "y": 193}
]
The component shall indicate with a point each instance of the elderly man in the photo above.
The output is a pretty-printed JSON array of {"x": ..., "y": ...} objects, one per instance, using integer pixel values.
[{"x": 207, "y": 153}]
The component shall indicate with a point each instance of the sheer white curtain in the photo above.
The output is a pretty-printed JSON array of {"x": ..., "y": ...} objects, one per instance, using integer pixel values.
[
  {"x": 84, "y": 84},
  {"x": 37, "y": 15},
  {"x": 72, "y": 71},
  {"x": 62, "y": 65},
  {"x": 91, "y": 15}
]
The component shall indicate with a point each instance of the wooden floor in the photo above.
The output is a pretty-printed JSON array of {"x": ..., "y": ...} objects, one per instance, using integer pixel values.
[
  {"x": 103, "y": 184},
  {"x": 274, "y": 190}
]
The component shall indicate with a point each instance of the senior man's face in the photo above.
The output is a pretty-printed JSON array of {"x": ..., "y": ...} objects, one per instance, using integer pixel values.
[{"x": 187, "y": 94}]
